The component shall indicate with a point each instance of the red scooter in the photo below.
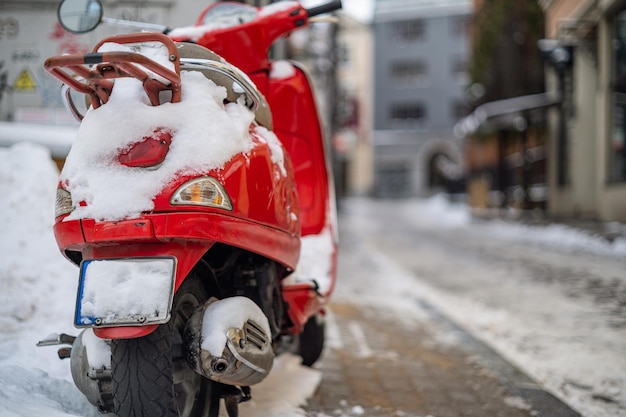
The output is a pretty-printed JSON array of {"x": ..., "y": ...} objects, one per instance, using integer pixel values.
[{"x": 197, "y": 201}]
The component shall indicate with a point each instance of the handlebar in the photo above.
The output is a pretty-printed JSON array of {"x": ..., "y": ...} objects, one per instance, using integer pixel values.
[{"x": 324, "y": 8}]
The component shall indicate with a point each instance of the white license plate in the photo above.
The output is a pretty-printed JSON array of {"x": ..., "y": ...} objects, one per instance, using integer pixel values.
[{"x": 125, "y": 292}]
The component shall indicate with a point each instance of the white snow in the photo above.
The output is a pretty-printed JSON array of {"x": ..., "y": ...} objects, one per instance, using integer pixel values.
[
  {"x": 225, "y": 314},
  {"x": 282, "y": 69},
  {"x": 315, "y": 261},
  {"x": 99, "y": 350},
  {"x": 157, "y": 51},
  {"x": 276, "y": 148}
]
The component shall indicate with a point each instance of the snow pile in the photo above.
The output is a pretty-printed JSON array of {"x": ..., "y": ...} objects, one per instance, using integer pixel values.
[
  {"x": 206, "y": 135},
  {"x": 36, "y": 282},
  {"x": 564, "y": 236},
  {"x": 439, "y": 212},
  {"x": 37, "y": 290}
]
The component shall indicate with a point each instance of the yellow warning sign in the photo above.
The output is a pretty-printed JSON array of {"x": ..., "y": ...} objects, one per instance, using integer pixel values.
[{"x": 25, "y": 81}]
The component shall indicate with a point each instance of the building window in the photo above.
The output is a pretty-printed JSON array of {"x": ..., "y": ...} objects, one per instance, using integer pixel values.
[
  {"x": 408, "y": 31},
  {"x": 617, "y": 148},
  {"x": 408, "y": 115},
  {"x": 459, "y": 70},
  {"x": 459, "y": 26},
  {"x": 408, "y": 73}
]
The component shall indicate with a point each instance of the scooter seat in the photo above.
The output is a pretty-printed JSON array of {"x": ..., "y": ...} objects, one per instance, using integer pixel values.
[{"x": 198, "y": 58}]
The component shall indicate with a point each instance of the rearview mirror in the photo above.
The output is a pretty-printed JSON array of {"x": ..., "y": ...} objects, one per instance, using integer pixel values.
[{"x": 80, "y": 16}]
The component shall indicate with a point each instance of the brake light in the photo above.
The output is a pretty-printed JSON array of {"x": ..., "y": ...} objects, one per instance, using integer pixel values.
[{"x": 149, "y": 152}]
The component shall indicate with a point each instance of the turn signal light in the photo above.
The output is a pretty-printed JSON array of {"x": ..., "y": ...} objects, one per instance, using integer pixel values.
[{"x": 204, "y": 191}]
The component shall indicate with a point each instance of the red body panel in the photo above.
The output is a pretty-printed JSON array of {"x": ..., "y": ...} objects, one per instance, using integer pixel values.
[{"x": 296, "y": 123}]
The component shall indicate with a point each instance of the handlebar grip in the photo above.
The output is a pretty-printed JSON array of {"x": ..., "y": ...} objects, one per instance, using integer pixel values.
[{"x": 324, "y": 8}]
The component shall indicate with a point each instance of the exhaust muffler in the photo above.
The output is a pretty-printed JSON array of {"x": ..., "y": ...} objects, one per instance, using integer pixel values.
[{"x": 229, "y": 341}]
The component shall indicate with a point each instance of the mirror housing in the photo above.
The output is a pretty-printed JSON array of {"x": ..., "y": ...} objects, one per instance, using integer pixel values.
[{"x": 80, "y": 16}]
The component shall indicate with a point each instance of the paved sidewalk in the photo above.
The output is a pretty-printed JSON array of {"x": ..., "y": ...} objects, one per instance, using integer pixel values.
[{"x": 378, "y": 366}]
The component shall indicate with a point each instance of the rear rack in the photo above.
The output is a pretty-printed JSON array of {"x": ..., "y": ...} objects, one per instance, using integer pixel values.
[{"x": 92, "y": 73}]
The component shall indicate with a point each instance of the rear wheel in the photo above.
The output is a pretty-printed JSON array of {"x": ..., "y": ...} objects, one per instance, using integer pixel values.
[
  {"x": 311, "y": 340},
  {"x": 150, "y": 375}
]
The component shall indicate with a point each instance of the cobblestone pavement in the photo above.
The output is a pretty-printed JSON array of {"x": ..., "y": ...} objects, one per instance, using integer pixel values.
[{"x": 376, "y": 365}]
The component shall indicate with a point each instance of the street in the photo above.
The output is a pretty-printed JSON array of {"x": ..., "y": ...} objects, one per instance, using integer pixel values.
[{"x": 436, "y": 313}]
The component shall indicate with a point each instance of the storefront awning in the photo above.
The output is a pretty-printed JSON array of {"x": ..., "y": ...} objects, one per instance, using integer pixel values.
[{"x": 503, "y": 114}]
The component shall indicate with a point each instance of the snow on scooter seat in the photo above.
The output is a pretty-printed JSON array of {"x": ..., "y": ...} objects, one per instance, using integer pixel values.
[{"x": 206, "y": 135}]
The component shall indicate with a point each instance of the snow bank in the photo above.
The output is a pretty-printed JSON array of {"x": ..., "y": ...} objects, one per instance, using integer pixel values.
[{"x": 439, "y": 212}]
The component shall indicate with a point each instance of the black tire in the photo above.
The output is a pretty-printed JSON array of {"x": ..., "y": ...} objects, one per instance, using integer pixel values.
[
  {"x": 150, "y": 377},
  {"x": 311, "y": 340}
]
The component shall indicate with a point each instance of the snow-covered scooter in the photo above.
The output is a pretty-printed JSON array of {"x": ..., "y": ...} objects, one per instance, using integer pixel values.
[{"x": 197, "y": 202}]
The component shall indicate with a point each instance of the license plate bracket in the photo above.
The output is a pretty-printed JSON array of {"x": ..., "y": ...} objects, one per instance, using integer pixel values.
[{"x": 125, "y": 292}]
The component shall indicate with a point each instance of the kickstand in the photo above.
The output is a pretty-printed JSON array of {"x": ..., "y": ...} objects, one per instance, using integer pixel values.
[{"x": 233, "y": 396}]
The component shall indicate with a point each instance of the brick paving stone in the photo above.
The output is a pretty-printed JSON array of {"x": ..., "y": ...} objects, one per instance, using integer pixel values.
[{"x": 389, "y": 368}]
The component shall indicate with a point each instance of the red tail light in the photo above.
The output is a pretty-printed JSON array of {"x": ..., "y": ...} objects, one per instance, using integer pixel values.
[{"x": 148, "y": 152}]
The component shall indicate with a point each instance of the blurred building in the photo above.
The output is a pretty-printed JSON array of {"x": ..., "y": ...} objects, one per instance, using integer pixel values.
[
  {"x": 561, "y": 150},
  {"x": 506, "y": 133},
  {"x": 586, "y": 65},
  {"x": 353, "y": 139},
  {"x": 421, "y": 51}
]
